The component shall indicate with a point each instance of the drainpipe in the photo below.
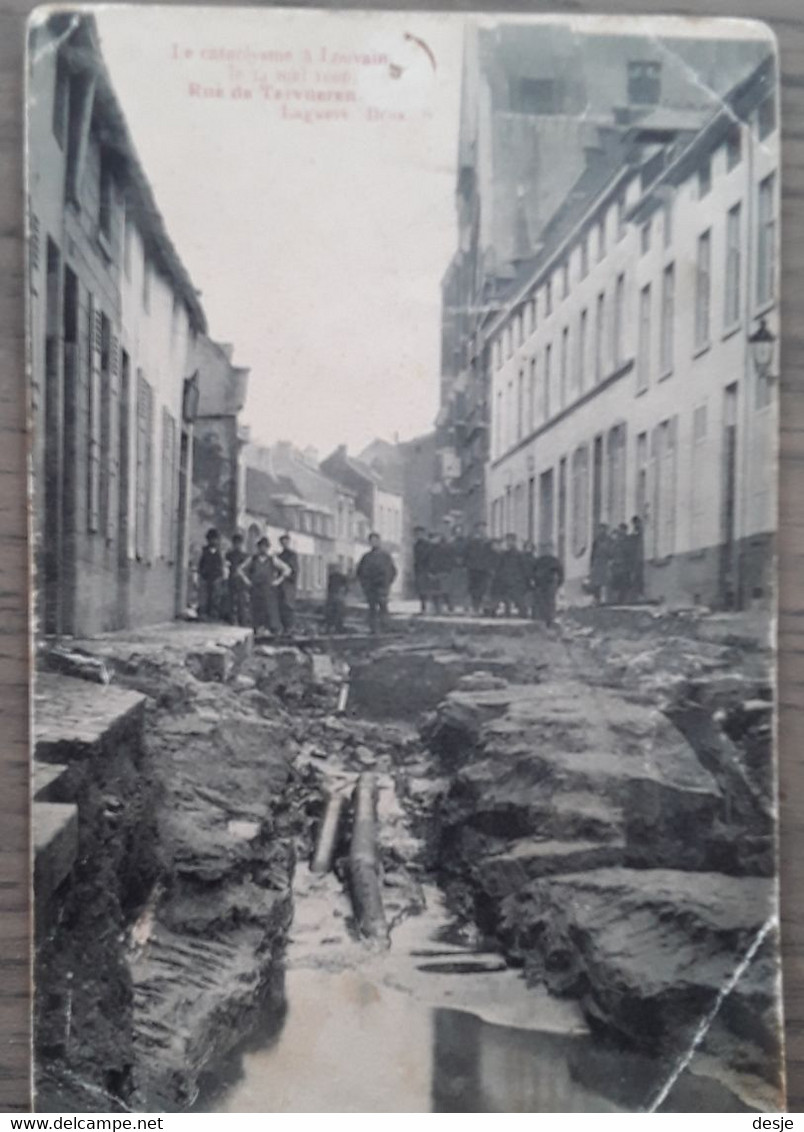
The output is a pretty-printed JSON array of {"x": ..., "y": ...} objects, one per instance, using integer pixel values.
[{"x": 748, "y": 369}]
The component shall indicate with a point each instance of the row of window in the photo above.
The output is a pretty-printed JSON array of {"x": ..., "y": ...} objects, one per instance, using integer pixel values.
[
  {"x": 308, "y": 521},
  {"x": 71, "y": 102},
  {"x": 525, "y": 319},
  {"x": 538, "y": 394},
  {"x": 542, "y": 390},
  {"x": 590, "y": 485},
  {"x": 110, "y": 463}
]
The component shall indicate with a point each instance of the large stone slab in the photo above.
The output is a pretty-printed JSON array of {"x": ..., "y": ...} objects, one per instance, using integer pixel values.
[
  {"x": 529, "y": 753},
  {"x": 55, "y": 837},
  {"x": 650, "y": 952},
  {"x": 74, "y": 718}
]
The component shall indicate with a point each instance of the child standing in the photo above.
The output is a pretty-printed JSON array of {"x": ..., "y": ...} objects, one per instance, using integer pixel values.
[
  {"x": 265, "y": 572},
  {"x": 210, "y": 576}
]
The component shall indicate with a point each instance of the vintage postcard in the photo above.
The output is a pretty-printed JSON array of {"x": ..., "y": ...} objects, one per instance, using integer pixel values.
[{"x": 404, "y": 408}]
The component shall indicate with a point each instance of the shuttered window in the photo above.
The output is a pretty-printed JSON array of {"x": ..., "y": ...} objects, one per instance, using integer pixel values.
[
  {"x": 168, "y": 486},
  {"x": 144, "y": 487},
  {"x": 93, "y": 415}
]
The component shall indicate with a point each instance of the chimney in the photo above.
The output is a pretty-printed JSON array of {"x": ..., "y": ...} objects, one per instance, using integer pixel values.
[{"x": 644, "y": 82}]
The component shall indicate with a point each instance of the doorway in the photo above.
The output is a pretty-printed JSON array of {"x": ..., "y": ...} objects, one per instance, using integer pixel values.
[
  {"x": 123, "y": 490},
  {"x": 546, "y": 507},
  {"x": 561, "y": 541},
  {"x": 597, "y": 482}
]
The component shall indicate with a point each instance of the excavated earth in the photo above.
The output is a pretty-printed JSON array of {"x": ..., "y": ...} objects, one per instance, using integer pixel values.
[{"x": 595, "y": 803}]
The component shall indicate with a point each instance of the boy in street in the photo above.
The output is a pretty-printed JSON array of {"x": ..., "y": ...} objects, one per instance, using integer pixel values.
[
  {"x": 210, "y": 577},
  {"x": 265, "y": 572},
  {"x": 421, "y": 567},
  {"x": 512, "y": 578},
  {"x": 335, "y": 607},
  {"x": 286, "y": 591},
  {"x": 548, "y": 577},
  {"x": 236, "y": 559}
]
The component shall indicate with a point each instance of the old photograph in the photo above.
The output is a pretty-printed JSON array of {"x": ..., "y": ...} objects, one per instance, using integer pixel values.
[{"x": 403, "y": 400}]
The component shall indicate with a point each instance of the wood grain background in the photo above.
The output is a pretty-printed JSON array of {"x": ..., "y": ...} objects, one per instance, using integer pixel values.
[{"x": 786, "y": 17}]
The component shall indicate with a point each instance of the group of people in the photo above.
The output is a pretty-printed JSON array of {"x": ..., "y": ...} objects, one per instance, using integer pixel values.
[
  {"x": 484, "y": 575},
  {"x": 256, "y": 589},
  {"x": 617, "y": 564},
  {"x": 259, "y": 589}
]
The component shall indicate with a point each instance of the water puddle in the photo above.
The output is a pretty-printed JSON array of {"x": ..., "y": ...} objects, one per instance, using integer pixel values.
[{"x": 406, "y": 1030}]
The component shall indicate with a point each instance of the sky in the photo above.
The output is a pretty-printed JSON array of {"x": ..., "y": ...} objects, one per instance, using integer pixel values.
[{"x": 318, "y": 247}]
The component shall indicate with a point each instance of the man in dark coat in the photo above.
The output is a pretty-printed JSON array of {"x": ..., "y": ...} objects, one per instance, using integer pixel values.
[
  {"x": 286, "y": 591},
  {"x": 512, "y": 578},
  {"x": 620, "y": 565},
  {"x": 529, "y": 558},
  {"x": 210, "y": 577},
  {"x": 441, "y": 558},
  {"x": 236, "y": 559},
  {"x": 335, "y": 607},
  {"x": 480, "y": 562},
  {"x": 456, "y": 578},
  {"x": 376, "y": 573},
  {"x": 548, "y": 577},
  {"x": 265, "y": 572},
  {"x": 637, "y": 560},
  {"x": 599, "y": 563},
  {"x": 421, "y": 566}
]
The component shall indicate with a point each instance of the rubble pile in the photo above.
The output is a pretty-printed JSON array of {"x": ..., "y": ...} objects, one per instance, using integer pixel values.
[{"x": 596, "y": 807}]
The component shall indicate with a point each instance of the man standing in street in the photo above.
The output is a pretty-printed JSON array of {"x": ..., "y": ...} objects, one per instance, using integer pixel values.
[
  {"x": 599, "y": 564},
  {"x": 637, "y": 560},
  {"x": 620, "y": 565},
  {"x": 440, "y": 566},
  {"x": 286, "y": 592},
  {"x": 480, "y": 561},
  {"x": 265, "y": 573},
  {"x": 376, "y": 573},
  {"x": 210, "y": 577},
  {"x": 236, "y": 559},
  {"x": 512, "y": 578},
  {"x": 335, "y": 607},
  {"x": 548, "y": 577},
  {"x": 421, "y": 566}
]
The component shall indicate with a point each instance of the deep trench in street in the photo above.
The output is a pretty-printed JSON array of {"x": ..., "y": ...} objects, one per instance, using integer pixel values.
[{"x": 574, "y": 854}]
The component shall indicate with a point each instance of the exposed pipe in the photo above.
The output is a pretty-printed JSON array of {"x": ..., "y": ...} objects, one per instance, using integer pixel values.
[
  {"x": 343, "y": 695},
  {"x": 328, "y": 834},
  {"x": 363, "y": 863}
]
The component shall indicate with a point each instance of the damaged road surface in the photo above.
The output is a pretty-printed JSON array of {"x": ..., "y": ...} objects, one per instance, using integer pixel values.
[{"x": 467, "y": 870}]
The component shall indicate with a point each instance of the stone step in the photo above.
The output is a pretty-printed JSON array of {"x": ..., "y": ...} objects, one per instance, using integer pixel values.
[
  {"x": 74, "y": 719},
  {"x": 50, "y": 782},
  {"x": 55, "y": 835}
]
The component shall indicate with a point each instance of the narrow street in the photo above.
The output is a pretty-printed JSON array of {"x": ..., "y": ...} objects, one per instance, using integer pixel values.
[{"x": 573, "y": 837}]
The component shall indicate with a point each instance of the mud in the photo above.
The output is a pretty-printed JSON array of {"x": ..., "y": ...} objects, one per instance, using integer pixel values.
[{"x": 522, "y": 777}]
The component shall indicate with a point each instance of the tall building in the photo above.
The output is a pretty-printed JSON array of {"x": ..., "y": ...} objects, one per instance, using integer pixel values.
[
  {"x": 623, "y": 373},
  {"x": 541, "y": 105},
  {"x": 218, "y": 442},
  {"x": 113, "y": 323},
  {"x": 378, "y": 495},
  {"x": 287, "y": 492},
  {"x": 410, "y": 465}
]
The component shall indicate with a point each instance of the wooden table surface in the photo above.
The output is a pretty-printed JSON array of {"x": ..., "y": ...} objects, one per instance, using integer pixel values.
[{"x": 787, "y": 19}]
